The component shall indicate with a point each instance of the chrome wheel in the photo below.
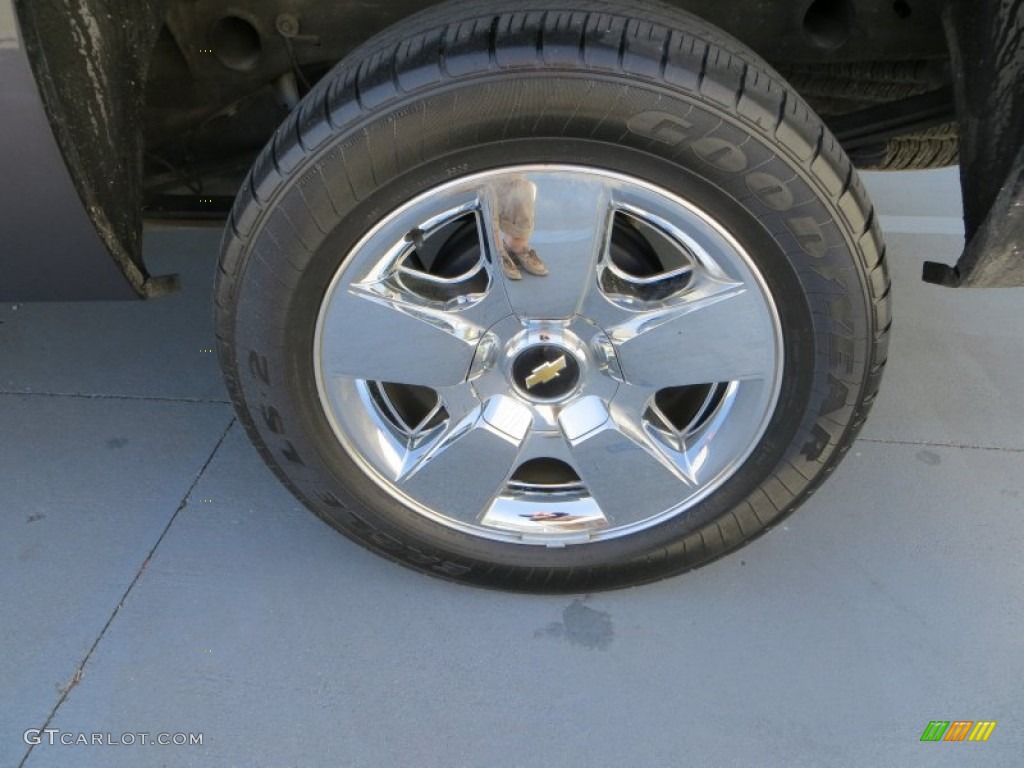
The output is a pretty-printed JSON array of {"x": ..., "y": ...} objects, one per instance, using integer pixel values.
[{"x": 548, "y": 355}]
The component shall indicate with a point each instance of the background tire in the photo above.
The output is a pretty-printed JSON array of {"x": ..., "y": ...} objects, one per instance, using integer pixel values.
[
  {"x": 653, "y": 94},
  {"x": 839, "y": 88}
]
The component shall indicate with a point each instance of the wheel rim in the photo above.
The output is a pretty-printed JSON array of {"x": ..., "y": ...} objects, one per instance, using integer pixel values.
[{"x": 603, "y": 398}]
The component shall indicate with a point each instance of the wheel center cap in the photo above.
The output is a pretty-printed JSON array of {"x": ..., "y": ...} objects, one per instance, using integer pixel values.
[{"x": 545, "y": 372}]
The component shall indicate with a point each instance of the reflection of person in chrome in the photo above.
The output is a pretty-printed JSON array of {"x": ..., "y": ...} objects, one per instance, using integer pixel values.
[
  {"x": 549, "y": 517},
  {"x": 514, "y": 200}
]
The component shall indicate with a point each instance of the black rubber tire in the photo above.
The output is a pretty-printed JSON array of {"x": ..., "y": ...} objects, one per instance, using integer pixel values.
[
  {"x": 838, "y": 88},
  {"x": 647, "y": 90},
  {"x": 935, "y": 147}
]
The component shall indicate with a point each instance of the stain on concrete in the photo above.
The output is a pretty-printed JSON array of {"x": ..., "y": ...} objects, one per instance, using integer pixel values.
[
  {"x": 582, "y": 626},
  {"x": 34, "y": 517},
  {"x": 930, "y": 458},
  {"x": 117, "y": 442}
]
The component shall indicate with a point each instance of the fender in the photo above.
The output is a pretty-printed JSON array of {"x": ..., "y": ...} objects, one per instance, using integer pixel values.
[
  {"x": 64, "y": 208},
  {"x": 51, "y": 249},
  {"x": 987, "y": 59}
]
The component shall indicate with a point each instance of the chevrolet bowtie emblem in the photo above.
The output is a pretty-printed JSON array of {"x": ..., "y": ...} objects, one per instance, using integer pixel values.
[{"x": 546, "y": 372}]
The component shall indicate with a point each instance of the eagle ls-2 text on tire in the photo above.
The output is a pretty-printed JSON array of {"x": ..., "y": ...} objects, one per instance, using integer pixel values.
[{"x": 552, "y": 296}]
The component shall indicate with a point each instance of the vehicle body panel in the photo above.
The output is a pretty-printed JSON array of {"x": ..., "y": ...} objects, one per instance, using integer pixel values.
[{"x": 50, "y": 249}]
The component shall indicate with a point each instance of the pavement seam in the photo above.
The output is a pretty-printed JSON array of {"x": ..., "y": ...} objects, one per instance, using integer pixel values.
[
  {"x": 930, "y": 444},
  {"x": 80, "y": 669},
  {"x": 95, "y": 396}
]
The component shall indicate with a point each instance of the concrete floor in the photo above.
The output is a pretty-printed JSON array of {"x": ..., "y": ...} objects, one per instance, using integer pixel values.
[{"x": 154, "y": 576}]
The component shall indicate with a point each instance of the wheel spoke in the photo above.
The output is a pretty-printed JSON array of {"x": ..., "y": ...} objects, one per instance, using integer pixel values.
[
  {"x": 565, "y": 219},
  {"x": 372, "y": 335},
  {"x": 466, "y": 466},
  {"x": 625, "y": 472},
  {"x": 718, "y": 331}
]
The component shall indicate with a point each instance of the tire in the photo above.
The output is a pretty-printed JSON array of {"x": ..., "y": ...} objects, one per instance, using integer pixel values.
[
  {"x": 838, "y": 88},
  {"x": 935, "y": 147},
  {"x": 729, "y": 174}
]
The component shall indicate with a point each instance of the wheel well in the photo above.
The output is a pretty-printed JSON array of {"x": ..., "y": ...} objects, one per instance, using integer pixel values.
[{"x": 160, "y": 106}]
